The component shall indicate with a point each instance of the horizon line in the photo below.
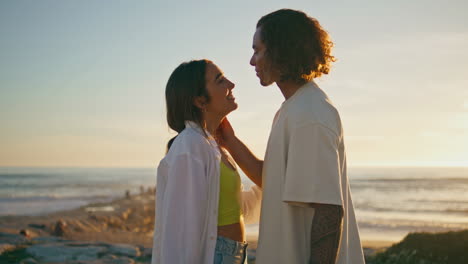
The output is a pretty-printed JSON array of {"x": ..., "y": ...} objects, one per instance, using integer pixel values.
[{"x": 153, "y": 167}]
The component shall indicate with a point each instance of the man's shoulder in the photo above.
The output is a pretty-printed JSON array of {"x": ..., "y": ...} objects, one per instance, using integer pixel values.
[{"x": 314, "y": 107}]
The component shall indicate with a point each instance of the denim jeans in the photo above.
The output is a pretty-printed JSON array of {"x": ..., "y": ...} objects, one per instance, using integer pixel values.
[{"x": 228, "y": 251}]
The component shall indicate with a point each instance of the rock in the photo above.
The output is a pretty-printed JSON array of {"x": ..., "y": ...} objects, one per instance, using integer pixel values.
[
  {"x": 251, "y": 254},
  {"x": 12, "y": 238},
  {"x": 92, "y": 216},
  {"x": 114, "y": 222},
  {"x": 124, "y": 260},
  {"x": 38, "y": 226},
  {"x": 145, "y": 252},
  {"x": 44, "y": 240},
  {"x": 147, "y": 220},
  {"x": 62, "y": 253},
  {"x": 125, "y": 214},
  {"x": 5, "y": 247},
  {"x": 25, "y": 233},
  {"x": 110, "y": 259},
  {"x": 125, "y": 250},
  {"x": 60, "y": 228},
  {"x": 29, "y": 261},
  {"x": 117, "y": 260}
]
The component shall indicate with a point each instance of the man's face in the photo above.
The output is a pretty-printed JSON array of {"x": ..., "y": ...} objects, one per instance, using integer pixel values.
[{"x": 260, "y": 62}]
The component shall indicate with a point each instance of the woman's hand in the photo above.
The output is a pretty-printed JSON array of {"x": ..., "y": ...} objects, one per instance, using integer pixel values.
[{"x": 225, "y": 134}]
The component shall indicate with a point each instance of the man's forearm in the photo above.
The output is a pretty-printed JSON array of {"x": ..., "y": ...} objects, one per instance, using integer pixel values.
[
  {"x": 326, "y": 233},
  {"x": 251, "y": 165}
]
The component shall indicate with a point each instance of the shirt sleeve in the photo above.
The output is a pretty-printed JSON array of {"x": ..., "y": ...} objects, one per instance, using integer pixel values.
[
  {"x": 251, "y": 204},
  {"x": 313, "y": 172},
  {"x": 184, "y": 211}
]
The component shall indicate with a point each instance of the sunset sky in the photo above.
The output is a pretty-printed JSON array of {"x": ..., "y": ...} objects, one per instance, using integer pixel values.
[{"x": 82, "y": 82}]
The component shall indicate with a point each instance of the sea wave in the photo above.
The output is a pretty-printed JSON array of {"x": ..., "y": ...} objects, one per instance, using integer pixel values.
[
  {"x": 410, "y": 224},
  {"x": 52, "y": 197},
  {"x": 463, "y": 211}
]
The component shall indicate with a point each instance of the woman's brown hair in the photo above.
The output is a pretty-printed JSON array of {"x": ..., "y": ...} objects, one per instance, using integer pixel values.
[{"x": 186, "y": 82}]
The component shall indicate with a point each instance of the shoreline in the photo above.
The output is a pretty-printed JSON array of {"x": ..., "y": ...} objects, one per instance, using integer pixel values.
[
  {"x": 123, "y": 220},
  {"x": 119, "y": 214},
  {"x": 79, "y": 220},
  {"x": 127, "y": 220}
]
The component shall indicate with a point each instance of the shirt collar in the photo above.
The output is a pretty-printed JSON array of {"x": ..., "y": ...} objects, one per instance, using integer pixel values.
[
  {"x": 196, "y": 127},
  {"x": 307, "y": 85}
]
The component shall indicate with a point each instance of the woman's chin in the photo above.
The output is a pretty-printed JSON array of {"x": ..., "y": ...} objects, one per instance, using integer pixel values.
[{"x": 234, "y": 107}]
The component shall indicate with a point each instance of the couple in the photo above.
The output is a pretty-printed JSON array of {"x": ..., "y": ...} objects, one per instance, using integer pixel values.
[{"x": 307, "y": 215}]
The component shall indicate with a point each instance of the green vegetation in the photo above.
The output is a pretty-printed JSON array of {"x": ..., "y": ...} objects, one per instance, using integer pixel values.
[
  {"x": 426, "y": 248},
  {"x": 14, "y": 256}
]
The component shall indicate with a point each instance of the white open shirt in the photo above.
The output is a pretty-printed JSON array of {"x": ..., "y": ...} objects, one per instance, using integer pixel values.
[{"x": 187, "y": 196}]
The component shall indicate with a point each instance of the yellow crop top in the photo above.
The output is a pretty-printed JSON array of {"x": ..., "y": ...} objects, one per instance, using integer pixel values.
[{"x": 229, "y": 209}]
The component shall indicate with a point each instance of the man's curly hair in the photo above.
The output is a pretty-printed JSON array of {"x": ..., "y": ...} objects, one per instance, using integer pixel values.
[{"x": 296, "y": 45}]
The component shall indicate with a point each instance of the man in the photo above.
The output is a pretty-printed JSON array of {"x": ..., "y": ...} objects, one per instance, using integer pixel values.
[{"x": 307, "y": 211}]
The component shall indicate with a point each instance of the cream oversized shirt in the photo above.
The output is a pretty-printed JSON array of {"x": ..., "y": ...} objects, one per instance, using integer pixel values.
[
  {"x": 305, "y": 162},
  {"x": 187, "y": 195}
]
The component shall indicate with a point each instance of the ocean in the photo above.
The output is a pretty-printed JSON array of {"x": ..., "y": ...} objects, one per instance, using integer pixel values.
[
  {"x": 36, "y": 191},
  {"x": 389, "y": 202}
]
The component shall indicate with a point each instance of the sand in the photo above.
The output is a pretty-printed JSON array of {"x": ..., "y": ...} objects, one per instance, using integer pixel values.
[{"x": 127, "y": 220}]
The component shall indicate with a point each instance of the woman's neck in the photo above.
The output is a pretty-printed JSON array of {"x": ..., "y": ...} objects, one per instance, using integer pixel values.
[{"x": 212, "y": 123}]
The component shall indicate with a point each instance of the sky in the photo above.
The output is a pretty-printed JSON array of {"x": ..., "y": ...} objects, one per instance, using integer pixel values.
[{"x": 82, "y": 82}]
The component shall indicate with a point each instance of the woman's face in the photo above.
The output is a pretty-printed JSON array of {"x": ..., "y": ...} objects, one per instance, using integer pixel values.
[{"x": 219, "y": 88}]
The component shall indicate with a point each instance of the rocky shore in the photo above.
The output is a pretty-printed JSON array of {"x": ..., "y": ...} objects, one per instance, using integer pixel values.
[
  {"x": 117, "y": 232},
  {"x": 57, "y": 250},
  {"x": 121, "y": 231}
]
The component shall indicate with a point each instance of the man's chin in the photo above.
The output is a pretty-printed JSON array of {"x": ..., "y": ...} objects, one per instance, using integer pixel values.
[{"x": 265, "y": 83}]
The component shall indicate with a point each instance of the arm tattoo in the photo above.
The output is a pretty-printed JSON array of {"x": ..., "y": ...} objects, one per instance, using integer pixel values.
[{"x": 326, "y": 234}]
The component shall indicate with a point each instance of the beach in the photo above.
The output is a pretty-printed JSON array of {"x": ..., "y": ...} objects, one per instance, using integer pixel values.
[
  {"x": 127, "y": 222},
  {"x": 121, "y": 231},
  {"x": 112, "y": 211}
]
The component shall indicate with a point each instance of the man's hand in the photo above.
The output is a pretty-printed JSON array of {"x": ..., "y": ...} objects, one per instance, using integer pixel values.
[
  {"x": 247, "y": 161},
  {"x": 225, "y": 134}
]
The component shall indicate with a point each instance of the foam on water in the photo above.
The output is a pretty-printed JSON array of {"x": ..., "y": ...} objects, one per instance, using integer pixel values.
[
  {"x": 389, "y": 202},
  {"x": 39, "y": 191}
]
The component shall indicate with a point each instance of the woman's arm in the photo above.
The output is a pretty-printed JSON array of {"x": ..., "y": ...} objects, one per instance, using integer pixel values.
[
  {"x": 251, "y": 204},
  {"x": 184, "y": 211}
]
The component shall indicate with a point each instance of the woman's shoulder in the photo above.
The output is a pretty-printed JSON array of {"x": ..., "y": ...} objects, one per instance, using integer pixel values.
[{"x": 191, "y": 142}]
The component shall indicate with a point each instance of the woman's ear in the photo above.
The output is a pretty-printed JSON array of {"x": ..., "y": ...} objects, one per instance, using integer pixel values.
[{"x": 200, "y": 102}]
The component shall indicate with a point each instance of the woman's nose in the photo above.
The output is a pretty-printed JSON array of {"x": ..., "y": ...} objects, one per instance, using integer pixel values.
[{"x": 252, "y": 61}]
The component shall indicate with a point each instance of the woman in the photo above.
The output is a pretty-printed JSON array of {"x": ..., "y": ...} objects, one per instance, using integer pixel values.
[{"x": 200, "y": 208}]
